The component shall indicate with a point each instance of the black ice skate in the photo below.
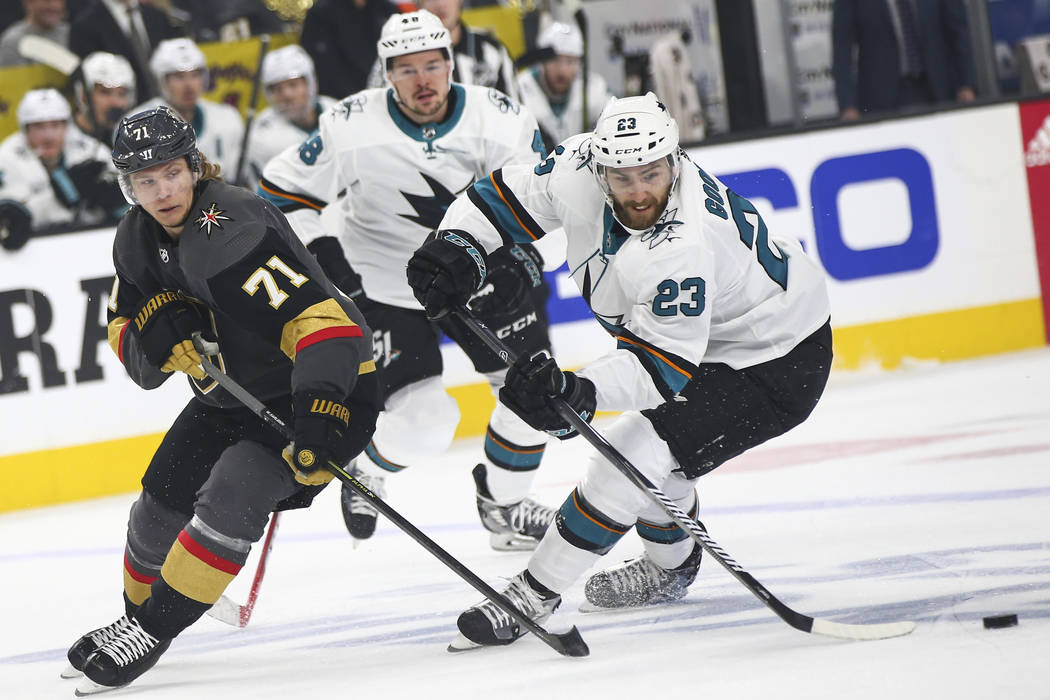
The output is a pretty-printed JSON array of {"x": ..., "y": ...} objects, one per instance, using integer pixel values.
[
  {"x": 88, "y": 644},
  {"x": 639, "y": 582},
  {"x": 129, "y": 653},
  {"x": 486, "y": 625},
  {"x": 515, "y": 527},
  {"x": 358, "y": 512}
]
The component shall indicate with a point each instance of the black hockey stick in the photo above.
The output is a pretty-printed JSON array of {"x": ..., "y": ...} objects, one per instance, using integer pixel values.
[
  {"x": 264, "y": 46},
  {"x": 568, "y": 643},
  {"x": 799, "y": 621},
  {"x": 581, "y": 21}
]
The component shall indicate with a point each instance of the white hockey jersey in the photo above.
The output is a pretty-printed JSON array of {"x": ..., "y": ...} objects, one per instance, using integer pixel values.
[
  {"x": 219, "y": 129},
  {"x": 399, "y": 176},
  {"x": 24, "y": 179},
  {"x": 706, "y": 284},
  {"x": 270, "y": 134},
  {"x": 559, "y": 122}
]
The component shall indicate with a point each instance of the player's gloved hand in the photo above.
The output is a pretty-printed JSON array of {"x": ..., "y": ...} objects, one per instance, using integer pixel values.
[
  {"x": 329, "y": 253},
  {"x": 530, "y": 387},
  {"x": 321, "y": 424},
  {"x": 16, "y": 225},
  {"x": 97, "y": 185},
  {"x": 446, "y": 270},
  {"x": 165, "y": 323}
]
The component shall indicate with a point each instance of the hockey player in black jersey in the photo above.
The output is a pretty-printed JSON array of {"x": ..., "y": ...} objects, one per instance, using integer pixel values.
[{"x": 197, "y": 255}]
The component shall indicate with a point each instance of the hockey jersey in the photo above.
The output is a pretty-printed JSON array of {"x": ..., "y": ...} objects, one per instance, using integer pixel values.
[
  {"x": 560, "y": 121},
  {"x": 219, "y": 129},
  {"x": 707, "y": 283},
  {"x": 399, "y": 176},
  {"x": 25, "y": 180},
  {"x": 270, "y": 134},
  {"x": 264, "y": 295}
]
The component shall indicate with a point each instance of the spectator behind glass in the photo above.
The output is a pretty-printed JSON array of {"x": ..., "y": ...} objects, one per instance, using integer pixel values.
[
  {"x": 341, "y": 36},
  {"x": 127, "y": 28},
  {"x": 44, "y": 18},
  {"x": 110, "y": 93},
  {"x": 908, "y": 53},
  {"x": 479, "y": 59},
  {"x": 553, "y": 88},
  {"x": 51, "y": 175}
]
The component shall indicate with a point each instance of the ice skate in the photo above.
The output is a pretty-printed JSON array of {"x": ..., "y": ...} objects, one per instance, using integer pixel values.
[
  {"x": 514, "y": 527},
  {"x": 638, "y": 582},
  {"x": 487, "y": 625},
  {"x": 88, "y": 644},
  {"x": 126, "y": 655},
  {"x": 358, "y": 512}
]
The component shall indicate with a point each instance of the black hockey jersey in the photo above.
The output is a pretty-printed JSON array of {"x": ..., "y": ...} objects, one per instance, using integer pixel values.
[{"x": 281, "y": 324}]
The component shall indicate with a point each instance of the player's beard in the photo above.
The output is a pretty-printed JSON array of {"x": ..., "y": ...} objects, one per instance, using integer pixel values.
[
  {"x": 426, "y": 112},
  {"x": 641, "y": 221}
]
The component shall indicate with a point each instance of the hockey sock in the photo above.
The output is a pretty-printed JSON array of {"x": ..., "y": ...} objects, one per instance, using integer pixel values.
[
  {"x": 512, "y": 467},
  {"x": 666, "y": 544}
]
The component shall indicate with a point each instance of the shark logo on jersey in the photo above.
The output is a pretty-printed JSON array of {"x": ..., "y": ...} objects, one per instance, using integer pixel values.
[
  {"x": 661, "y": 232},
  {"x": 210, "y": 218},
  {"x": 582, "y": 154},
  {"x": 430, "y": 209},
  {"x": 503, "y": 103},
  {"x": 354, "y": 103}
]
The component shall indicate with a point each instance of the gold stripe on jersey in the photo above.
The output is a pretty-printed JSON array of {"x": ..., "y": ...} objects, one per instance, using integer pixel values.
[
  {"x": 199, "y": 575},
  {"x": 115, "y": 334},
  {"x": 323, "y": 320}
]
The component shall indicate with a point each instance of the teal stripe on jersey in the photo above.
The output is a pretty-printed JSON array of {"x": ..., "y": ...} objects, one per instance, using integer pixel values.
[
  {"x": 668, "y": 533},
  {"x": 582, "y": 526},
  {"x": 505, "y": 220},
  {"x": 386, "y": 464},
  {"x": 674, "y": 377},
  {"x": 515, "y": 458}
]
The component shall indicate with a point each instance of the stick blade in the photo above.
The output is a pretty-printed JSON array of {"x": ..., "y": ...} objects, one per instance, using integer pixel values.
[
  {"x": 48, "y": 52},
  {"x": 569, "y": 643},
  {"x": 842, "y": 630},
  {"x": 225, "y": 610}
]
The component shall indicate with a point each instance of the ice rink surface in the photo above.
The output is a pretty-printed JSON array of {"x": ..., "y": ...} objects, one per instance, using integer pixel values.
[{"x": 921, "y": 494}]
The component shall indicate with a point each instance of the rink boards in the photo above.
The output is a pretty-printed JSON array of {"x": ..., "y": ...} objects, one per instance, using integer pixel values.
[{"x": 933, "y": 231}]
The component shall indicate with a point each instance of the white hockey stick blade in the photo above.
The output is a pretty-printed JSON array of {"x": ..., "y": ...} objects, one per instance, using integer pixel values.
[
  {"x": 50, "y": 53},
  {"x": 862, "y": 633},
  {"x": 225, "y": 610}
]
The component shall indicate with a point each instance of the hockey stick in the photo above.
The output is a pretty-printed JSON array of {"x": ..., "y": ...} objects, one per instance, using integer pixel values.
[
  {"x": 264, "y": 46},
  {"x": 568, "y": 643},
  {"x": 799, "y": 621},
  {"x": 581, "y": 21},
  {"x": 48, "y": 52},
  {"x": 225, "y": 610}
]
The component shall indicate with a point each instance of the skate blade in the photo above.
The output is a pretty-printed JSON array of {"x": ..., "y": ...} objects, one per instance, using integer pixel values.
[
  {"x": 89, "y": 687},
  {"x": 461, "y": 643},
  {"x": 70, "y": 671},
  {"x": 511, "y": 542}
]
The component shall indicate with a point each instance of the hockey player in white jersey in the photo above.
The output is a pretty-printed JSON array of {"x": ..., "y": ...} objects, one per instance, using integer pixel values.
[
  {"x": 52, "y": 175},
  {"x": 291, "y": 88},
  {"x": 106, "y": 92},
  {"x": 553, "y": 88},
  {"x": 181, "y": 72},
  {"x": 723, "y": 342},
  {"x": 402, "y": 154}
]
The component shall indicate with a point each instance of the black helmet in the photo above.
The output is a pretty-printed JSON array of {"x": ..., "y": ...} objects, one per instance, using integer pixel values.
[{"x": 150, "y": 138}]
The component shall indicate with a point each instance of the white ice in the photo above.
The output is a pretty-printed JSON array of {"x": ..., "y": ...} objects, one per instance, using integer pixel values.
[{"x": 921, "y": 494}]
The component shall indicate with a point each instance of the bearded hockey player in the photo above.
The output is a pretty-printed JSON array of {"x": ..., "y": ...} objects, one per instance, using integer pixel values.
[
  {"x": 723, "y": 342},
  {"x": 109, "y": 94},
  {"x": 402, "y": 154},
  {"x": 295, "y": 107},
  {"x": 181, "y": 72},
  {"x": 195, "y": 255}
]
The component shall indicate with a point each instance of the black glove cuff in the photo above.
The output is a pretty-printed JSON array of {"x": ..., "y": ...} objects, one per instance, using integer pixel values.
[
  {"x": 163, "y": 320},
  {"x": 325, "y": 405}
]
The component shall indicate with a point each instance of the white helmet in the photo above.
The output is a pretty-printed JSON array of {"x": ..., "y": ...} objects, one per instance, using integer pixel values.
[
  {"x": 108, "y": 70},
  {"x": 412, "y": 32},
  {"x": 44, "y": 105},
  {"x": 634, "y": 131},
  {"x": 177, "y": 56},
  {"x": 287, "y": 63},
  {"x": 563, "y": 39}
]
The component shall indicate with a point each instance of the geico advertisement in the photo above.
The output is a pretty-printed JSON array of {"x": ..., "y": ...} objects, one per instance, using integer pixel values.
[{"x": 907, "y": 217}]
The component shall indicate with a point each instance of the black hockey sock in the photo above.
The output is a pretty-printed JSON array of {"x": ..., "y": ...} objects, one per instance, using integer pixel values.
[
  {"x": 166, "y": 613},
  {"x": 544, "y": 592}
]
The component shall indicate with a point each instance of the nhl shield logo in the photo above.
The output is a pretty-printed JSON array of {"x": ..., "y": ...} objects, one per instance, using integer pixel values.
[
  {"x": 429, "y": 133},
  {"x": 164, "y": 255}
]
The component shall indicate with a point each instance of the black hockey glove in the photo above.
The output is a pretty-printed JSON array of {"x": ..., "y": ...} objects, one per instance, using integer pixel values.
[
  {"x": 329, "y": 253},
  {"x": 446, "y": 270},
  {"x": 97, "y": 186},
  {"x": 164, "y": 325},
  {"x": 322, "y": 421},
  {"x": 16, "y": 225},
  {"x": 532, "y": 383}
]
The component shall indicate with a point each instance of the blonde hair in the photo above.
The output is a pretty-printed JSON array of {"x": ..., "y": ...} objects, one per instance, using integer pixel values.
[{"x": 209, "y": 170}]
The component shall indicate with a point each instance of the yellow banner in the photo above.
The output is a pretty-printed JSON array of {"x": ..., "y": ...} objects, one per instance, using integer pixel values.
[
  {"x": 16, "y": 81},
  {"x": 503, "y": 22}
]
